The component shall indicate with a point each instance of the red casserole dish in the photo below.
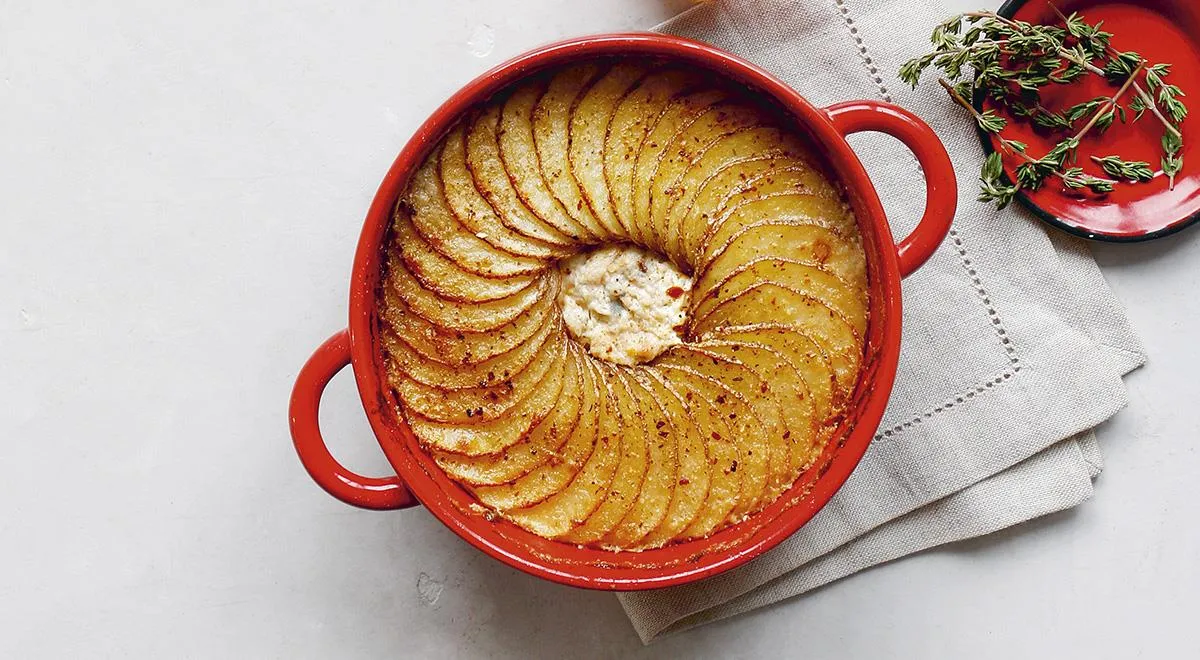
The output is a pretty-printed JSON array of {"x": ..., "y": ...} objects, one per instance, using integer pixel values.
[{"x": 418, "y": 480}]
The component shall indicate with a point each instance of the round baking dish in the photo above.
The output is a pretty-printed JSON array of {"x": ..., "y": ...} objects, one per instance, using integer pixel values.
[{"x": 418, "y": 480}]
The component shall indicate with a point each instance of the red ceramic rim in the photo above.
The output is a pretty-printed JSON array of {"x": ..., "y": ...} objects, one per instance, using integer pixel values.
[
  {"x": 1161, "y": 30},
  {"x": 674, "y": 564}
]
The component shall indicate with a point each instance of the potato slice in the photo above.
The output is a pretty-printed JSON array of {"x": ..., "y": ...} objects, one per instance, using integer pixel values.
[
  {"x": 566, "y": 509},
  {"x": 473, "y": 406},
  {"x": 662, "y": 468},
  {"x": 810, "y": 278},
  {"x": 588, "y": 128},
  {"x": 631, "y": 122},
  {"x": 710, "y": 199},
  {"x": 779, "y": 379},
  {"x": 426, "y": 205},
  {"x": 819, "y": 201},
  {"x": 796, "y": 208},
  {"x": 679, "y": 114},
  {"x": 558, "y": 472},
  {"x": 812, "y": 365},
  {"x": 692, "y": 477},
  {"x": 453, "y": 315},
  {"x": 688, "y": 147},
  {"x": 724, "y": 188},
  {"x": 726, "y": 481},
  {"x": 738, "y": 412},
  {"x": 806, "y": 356},
  {"x": 459, "y": 376},
  {"x": 492, "y": 181},
  {"x": 754, "y": 417},
  {"x": 500, "y": 431},
  {"x": 793, "y": 174},
  {"x": 442, "y": 275},
  {"x": 626, "y": 486},
  {"x": 805, "y": 242},
  {"x": 542, "y": 443},
  {"x": 458, "y": 347},
  {"x": 520, "y": 157},
  {"x": 729, "y": 150},
  {"x": 474, "y": 212},
  {"x": 770, "y": 301},
  {"x": 551, "y": 118}
]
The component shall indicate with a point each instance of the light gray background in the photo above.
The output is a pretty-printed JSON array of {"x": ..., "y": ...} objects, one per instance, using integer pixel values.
[{"x": 181, "y": 188}]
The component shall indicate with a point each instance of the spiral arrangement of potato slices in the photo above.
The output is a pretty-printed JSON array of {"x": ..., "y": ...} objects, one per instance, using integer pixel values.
[{"x": 574, "y": 448}]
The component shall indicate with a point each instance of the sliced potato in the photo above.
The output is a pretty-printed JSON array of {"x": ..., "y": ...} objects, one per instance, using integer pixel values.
[
  {"x": 555, "y": 474},
  {"x": 566, "y": 509},
  {"x": 626, "y": 485},
  {"x": 806, "y": 356},
  {"x": 692, "y": 477},
  {"x": 425, "y": 204},
  {"x": 848, "y": 301},
  {"x": 588, "y": 129},
  {"x": 492, "y": 181},
  {"x": 724, "y": 188},
  {"x": 791, "y": 174},
  {"x": 812, "y": 365},
  {"x": 443, "y": 276},
  {"x": 454, "y": 315},
  {"x": 471, "y": 407},
  {"x": 753, "y": 414},
  {"x": 461, "y": 347},
  {"x": 769, "y": 301},
  {"x": 662, "y": 468},
  {"x": 541, "y": 444},
  {"x": 796, "y": 208},
  {"x": 474, "y": 212},
  {"x": 689, "y": 146},
  {"x": 459, "y": 376},
  {"x": 679, "y": 114},
  {"x": 726, "y": 481},
  {"x": 730, "y": 150},
  {"x": 779, "y": 379},
  {"x": 805, "y": 242},
  {"x": 631, "y": 122},
  {"x": 551, "y": 118},
  {"x": 520, "y": 157},
  {"x": 492, "y": 434}
]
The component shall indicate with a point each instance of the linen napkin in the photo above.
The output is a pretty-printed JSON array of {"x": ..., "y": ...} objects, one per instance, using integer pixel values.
[{"x": 1013, "y": 349}]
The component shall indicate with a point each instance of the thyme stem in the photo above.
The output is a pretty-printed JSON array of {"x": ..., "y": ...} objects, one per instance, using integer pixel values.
[
  {"x": 1004, "y": 142},
  {"x": 1110, "y": 103},
  {"x": 1148, "y": 100}
]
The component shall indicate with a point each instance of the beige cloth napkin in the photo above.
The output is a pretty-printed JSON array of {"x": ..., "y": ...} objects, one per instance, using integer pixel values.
[{"x": 1013, "y": 349}]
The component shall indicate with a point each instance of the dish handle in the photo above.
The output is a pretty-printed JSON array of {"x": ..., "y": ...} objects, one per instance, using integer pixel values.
[
  {"x": 941, "y": 188},
  {"x": 381, "y": 493}
]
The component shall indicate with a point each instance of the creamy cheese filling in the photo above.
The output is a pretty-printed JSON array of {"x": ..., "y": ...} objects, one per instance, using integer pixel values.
[{"x": 624, "y": 304}]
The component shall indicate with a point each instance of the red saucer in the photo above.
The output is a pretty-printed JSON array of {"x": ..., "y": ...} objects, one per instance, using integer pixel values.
[{"x": 1161, "y": 31}]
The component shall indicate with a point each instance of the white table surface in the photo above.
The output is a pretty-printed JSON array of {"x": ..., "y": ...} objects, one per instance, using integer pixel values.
[{"x": 181, "y": 189}]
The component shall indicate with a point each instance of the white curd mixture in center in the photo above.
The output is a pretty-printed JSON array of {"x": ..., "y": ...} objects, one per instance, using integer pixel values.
[{"x": 624, "y": 304}]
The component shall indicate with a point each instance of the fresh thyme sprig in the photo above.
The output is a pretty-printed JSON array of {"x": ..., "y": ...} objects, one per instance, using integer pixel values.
[
  {"x": 1133, "y": 171},
  {"x": 1010, "y": 62},
  {"x": 1102, "y": 118},
  {"x": 1172, "y": 162},
  {"x": 1178, "y": 112},
  {"x": 1031, "y": 173}
]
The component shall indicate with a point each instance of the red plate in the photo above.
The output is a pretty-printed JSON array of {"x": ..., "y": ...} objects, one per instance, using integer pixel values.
[{"x": 1161, "y": 31}]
